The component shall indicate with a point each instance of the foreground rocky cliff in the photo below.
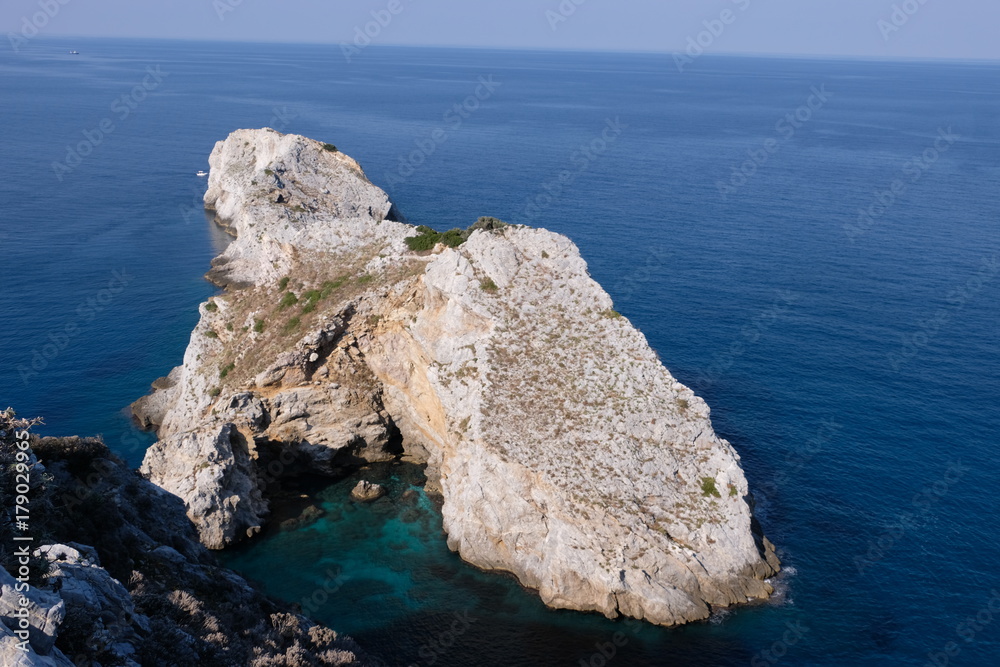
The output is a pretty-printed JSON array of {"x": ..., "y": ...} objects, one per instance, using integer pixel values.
[
  {"x": 114, "y": 575},
  {"x": 564, "y": 451}
]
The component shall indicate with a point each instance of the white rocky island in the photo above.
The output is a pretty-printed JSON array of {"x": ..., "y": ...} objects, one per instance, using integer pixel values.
[{"x": 564, "y": 451}]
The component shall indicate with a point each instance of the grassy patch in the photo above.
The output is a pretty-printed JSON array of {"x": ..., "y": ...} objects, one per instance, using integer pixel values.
[
  {"x": 732, "y": 490},
  {"x": 214, "y": 392},
  {"x": 211, "y": 334},
  {"x": 292, "y": 324},
  {"x": 365, "y": 279},
  {"x": 610, "y": 314},
  {"x": 330, "y": 286},
  {"x": 226, "y": 370},
  {"x": 288, "y": 300},
  {"x": 487, "y": 285},
  {"x": 283, "y": 283},
  {"x": 258, "y": 325},
  {"x": 708, "y": 487},
  {"x": 330, "y": 147}
]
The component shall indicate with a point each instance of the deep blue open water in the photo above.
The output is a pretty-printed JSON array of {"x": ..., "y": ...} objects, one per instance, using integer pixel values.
[{"x": 854, "y": 365}]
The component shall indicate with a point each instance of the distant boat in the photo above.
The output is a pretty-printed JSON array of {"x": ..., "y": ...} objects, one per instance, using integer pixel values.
[
  {"x": 74, "y": 53},
  {"x": 202, "y": 173}
]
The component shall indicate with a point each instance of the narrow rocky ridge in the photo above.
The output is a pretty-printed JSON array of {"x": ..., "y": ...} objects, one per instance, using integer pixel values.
[{"x": 564, "y": 451}]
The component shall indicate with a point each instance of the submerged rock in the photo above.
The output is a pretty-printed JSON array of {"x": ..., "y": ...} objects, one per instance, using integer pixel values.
[
  {"x": 564, "y": 452},
  {"x": 367, "y": 492}
]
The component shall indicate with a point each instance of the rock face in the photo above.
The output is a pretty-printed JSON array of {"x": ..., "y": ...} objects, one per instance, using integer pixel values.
[
  {"x": 565, "y": 452},
  {"x": 147, "y": 592}
]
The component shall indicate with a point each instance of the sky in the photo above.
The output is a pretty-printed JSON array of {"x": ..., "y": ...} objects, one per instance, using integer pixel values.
[{"x": 859, "y": 28}]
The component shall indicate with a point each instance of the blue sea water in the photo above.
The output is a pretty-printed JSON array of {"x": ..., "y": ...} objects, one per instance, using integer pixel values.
[{"x": 854, "y": 365}]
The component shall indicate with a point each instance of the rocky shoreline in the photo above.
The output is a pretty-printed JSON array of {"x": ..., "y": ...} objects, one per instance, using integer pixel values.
[
  {"x": 116, "y": 576},
  {"x": 564, "y": 452}
]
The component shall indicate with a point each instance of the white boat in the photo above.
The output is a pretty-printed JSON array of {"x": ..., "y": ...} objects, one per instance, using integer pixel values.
[
  {"x": 74, "y": 53},
  {"x": 202, "y": 173}
]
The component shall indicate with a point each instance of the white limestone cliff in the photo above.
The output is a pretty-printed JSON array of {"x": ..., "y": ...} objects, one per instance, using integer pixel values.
[{"x": 564, "y": 451}]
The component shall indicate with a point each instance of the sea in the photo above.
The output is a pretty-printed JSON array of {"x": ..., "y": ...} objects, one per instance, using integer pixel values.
[{"x": 811, "y": 244}]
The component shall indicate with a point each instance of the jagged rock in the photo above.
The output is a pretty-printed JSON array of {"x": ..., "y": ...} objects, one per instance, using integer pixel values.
[
  {"x": 146, "y": 592},
  {"x": 564, "y": 451},
  {"x": 210, "y": 469},
  {"x": 40, "y": 618},
  {"x": 367, "y": 492}
]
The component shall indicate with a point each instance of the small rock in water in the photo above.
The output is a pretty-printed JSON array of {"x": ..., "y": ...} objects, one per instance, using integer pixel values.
[{"x": 367, "y": 492}]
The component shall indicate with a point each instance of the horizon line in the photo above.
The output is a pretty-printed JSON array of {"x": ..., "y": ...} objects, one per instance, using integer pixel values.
[{"x": 538, "y": 49}]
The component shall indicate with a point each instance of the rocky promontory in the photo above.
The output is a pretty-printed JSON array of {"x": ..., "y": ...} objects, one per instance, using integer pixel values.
[
  {"x": 564, "y": 452},
  {"x": 105, "y": 569}
]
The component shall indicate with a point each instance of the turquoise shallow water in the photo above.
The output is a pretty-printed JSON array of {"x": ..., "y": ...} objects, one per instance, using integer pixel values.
[{"x": 850, "y": 375}]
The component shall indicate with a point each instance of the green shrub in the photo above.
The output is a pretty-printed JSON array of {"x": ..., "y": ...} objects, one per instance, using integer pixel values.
[
  {"x": 288, "y": 300},
  {"x": 226, "y": 370},
  {"x": 708, "y": 487},
  {"x": 487, "y": 223},
  {"x": 214, "y": 392},
  {"x": 732, "y": 490},
  {"x": 229, "y": 326},
  {"x": 454, "y": 237},
  {"x": 292, "y": 324},
  {"x": 211, "y": 334},
  {"x": 258, "y": 326},
  {"x": 330, "y": 147},
  {"x": 269, "y": 172},
  {"x": 423, "y": 242},
  {"x": 283, "y": 283},
  {"x": 211, "y": 307},
  {"x": 488, "y": 285},
  {"x": 611, "y": 314},
  {"x": 330, "y": 286},
  {"x": 427, "y": 238}
]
